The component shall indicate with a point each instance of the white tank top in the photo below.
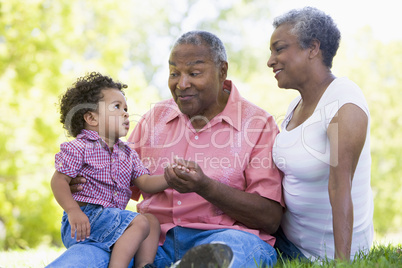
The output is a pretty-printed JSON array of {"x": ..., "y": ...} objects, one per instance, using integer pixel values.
[{"x": 303, "y": 155}]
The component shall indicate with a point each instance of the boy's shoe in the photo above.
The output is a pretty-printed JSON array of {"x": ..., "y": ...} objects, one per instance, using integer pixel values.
[
  {"x": 149, "y": 265},
  {"x": 216, "y": 255}
]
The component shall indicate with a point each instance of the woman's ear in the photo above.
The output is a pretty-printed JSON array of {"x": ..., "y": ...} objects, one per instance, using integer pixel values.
[
  {"x": 91, "y": 118},
  {"x": 315, "y": 48}
]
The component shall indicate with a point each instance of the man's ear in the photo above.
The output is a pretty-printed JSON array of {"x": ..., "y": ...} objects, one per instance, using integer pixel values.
[
  {"x": 315, "y": 48},
  {"x": 91, "y": 118},
  {"x": 224, "y": 70}
]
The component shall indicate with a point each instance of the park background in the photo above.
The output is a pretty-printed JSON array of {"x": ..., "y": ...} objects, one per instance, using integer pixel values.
[{"x": 45, "y": 45}]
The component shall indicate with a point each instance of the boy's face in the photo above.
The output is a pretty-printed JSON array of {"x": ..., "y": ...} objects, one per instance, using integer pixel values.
[{"x": 113, "y": 115}]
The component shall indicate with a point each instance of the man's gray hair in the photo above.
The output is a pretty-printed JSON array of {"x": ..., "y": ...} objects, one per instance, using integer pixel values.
[{"x": 199, "y": 38}]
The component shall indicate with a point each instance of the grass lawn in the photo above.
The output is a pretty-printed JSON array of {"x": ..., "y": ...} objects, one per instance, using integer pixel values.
[{"x": 380, "y": 256}]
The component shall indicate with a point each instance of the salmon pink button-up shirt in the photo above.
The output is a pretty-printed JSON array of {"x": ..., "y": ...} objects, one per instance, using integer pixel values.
[{"x": 234, "y": 148}]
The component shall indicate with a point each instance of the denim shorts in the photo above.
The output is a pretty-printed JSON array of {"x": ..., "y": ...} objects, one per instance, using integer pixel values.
[{"x": 107, "y": 225}]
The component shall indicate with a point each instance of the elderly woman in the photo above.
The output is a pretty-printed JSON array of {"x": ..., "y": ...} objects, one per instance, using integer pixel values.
[{"x": 324, "y": 147}]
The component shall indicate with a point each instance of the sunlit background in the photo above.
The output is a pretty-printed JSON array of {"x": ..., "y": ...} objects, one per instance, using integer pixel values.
[{"x": 45, "y": 45}]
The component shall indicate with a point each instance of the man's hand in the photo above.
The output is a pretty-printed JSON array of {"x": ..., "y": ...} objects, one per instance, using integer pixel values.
[
  {"x": 186, "y": 176},
  {"x": 75, "y": 184}
]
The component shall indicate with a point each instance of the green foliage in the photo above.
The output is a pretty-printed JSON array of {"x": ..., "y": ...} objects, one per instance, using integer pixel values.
[
  {"x": 45, "y": 45},
  {"x": 375, "y": 66}
]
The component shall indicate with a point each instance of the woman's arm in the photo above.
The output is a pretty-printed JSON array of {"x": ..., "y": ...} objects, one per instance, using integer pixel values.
[
  {"x": 78, "y": 220},
  {"x": 347, "y": 134}
]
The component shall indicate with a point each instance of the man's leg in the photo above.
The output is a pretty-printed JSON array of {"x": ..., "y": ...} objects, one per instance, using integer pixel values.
[
  {"x": 82, "y": 255},
  {"x": 248, "y": 249},
  {"x": 207, "y": 255},
  {"x": 286, "y": 249}
]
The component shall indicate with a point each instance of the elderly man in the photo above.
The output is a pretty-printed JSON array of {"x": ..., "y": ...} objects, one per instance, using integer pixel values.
[{"x": 235, "y": 196}]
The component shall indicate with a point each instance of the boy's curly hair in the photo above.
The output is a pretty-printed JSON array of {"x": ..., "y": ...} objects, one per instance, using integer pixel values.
[{"x": 82, "y": 97}]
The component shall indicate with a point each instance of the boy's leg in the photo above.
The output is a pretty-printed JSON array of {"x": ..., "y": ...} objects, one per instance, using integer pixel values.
[
  {"x": 82, "y": 255},
  {"x": 147, "y": 250},
  {"x": 129, "y": 242}
]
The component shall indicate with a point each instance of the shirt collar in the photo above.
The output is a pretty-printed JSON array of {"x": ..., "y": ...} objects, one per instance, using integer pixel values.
[
  {"x": 94, "y": 136},
  {"x": 229, "y": 114},
  {"x": 89, "y": 135},
  {"x": 233, "y": 107}
]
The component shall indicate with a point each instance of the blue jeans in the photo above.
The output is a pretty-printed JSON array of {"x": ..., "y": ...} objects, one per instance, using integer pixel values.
[
  {"x": 107, "y": 225},
  {"x": 248, "y": 249},
  {"x": 287, "y": 250}
]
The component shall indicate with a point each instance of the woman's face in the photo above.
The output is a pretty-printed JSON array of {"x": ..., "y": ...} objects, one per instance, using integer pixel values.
[{"x": 290, "y": 63}]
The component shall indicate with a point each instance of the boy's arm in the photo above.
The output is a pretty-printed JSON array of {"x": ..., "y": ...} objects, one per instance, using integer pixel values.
[
  {"x": 151, "y": 183},
  {"x": 78, "y": 220}
]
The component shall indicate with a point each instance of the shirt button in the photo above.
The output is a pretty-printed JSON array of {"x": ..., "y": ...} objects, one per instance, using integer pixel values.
[
  {"x": 179, "y": 203},
  {"x": 178, "y": 220},
  {"x": 115, "y": 193},
  {"x": 196, "y": 137}
]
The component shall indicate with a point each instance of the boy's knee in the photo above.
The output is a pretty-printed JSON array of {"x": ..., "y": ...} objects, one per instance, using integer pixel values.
[
  {"x": 141, "y": 222},
  {"x": 153, "y": 221}
]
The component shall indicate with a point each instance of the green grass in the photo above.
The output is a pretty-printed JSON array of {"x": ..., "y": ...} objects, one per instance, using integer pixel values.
[
  {"x": 381, "y": 256},
  {"x": 31, "y": 258}
]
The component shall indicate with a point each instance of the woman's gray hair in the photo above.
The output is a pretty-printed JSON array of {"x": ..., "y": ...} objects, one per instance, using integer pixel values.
[
  {"x": 199, "y": 38},
  {"x": 310, "y": 24}
]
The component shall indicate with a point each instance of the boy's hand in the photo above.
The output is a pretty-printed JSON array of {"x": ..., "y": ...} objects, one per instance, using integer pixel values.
[
  {"x": 187, "y": 166},
  {"x": 79, "y": 223}
]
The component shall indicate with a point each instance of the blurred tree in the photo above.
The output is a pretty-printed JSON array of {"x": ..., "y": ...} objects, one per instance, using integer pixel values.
[
  {"x": 45, "y": 45},
  {"x": 377, "y": 68}
]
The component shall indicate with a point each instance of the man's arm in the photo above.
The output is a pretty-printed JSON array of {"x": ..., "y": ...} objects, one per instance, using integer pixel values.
[
  {"x": 250, "y": 209},
  {"x": 75, "y": 184}
]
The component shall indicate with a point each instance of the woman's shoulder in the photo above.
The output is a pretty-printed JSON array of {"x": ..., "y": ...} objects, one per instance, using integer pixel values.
[{"x": 344, "y": 88}]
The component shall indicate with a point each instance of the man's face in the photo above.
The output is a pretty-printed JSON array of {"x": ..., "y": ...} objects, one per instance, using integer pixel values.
[{"x": 196, "y": 82}]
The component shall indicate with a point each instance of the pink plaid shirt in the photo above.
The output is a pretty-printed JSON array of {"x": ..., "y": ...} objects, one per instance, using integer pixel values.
[
  {"x": 109, "y": 174},
  {"x": 235, "y": 148}
]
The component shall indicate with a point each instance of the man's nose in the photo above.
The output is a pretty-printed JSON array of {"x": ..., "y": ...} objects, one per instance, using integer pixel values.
[{"x": 183, "y": 82}]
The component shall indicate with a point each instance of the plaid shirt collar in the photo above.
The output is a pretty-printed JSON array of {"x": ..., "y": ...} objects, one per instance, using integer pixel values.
[{"x": 94, "y": 136}]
